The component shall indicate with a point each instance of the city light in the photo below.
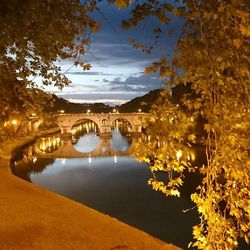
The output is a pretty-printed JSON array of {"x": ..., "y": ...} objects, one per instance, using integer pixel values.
[
  {"x": 14, "y": 122},
  {"x": 179, "y": 154},
  {"x": 49, "y": 144},
  {"x": 89, "y": 159},
  {"x": 139, "y": 110}
]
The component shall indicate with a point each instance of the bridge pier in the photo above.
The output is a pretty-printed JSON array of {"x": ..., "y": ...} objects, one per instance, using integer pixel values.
[
  {"x": 137, "y": 129},
  {"x": 65, "y": 132},
  {"x": 105, "y": 131},
  {"x": 65, "y": 135},
  {"x": 105, "y": 135}
]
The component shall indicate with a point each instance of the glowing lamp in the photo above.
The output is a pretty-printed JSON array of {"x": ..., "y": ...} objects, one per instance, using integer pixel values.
[
  {"x": 179, "y": 154},
  {"x": 14, "y": 122}
]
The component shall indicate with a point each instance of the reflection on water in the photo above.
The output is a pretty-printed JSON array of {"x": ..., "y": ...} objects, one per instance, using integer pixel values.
[
  {"x": 25, "y": 168},
  {"x": 49, "y": 144},
  {"x": 118, "y": 142},
  {"x": 115, "y": 185},
  {"x": 85, "y": 127},
  {"x": 87, "y": 143}
]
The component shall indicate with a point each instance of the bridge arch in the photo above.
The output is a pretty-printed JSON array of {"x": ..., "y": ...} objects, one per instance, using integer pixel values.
[
  {"x": 85, "y": 125},
  {"x": 44, "y": 125},
  {"x": 68, "y": 121},
  {"x": 36, "y": 124},
  {"x": 122, "y": 123}
]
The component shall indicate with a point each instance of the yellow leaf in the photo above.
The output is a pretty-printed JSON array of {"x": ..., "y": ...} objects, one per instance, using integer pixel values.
[
  {"x": 122, "y": 3},
  {"x": 175, "y": 193},
  {"x": 244, "y": 30},
  {"x": 237, "y": 43}
]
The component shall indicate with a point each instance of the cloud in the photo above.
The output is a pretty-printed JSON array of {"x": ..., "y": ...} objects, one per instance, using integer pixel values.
[
  {"x": 95, "y": 96},
  {"x": 90, "y": 73},
  {"x": 114, "y": 89},
  {"x": 141, "y": 83},
  {"x": 117, "y": 68},
  {"x": 110, "y": 102},
  {"x": 115, "y": 55}
]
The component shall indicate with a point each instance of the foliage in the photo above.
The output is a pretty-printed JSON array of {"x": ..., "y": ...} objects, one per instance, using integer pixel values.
[
  {"x": 168, "y": 147},
  {"x": 213, "y": 55},
  {"x": 33, "y": 35}
]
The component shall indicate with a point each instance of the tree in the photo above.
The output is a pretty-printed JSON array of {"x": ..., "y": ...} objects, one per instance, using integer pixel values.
[
  {"x": 212, "y": 54},
  {"x": 33, "y": 35}
]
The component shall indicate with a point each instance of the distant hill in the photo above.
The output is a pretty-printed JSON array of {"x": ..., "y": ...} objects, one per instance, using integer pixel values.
[
  {"x": 142, "y": 102},
  {"x": 59, "y": 103}
]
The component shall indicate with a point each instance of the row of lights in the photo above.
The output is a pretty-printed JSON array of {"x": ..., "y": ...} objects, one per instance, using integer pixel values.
[
  {"x": 13, "y": 122},
  {"x": 116, "y": 111},
  {"x": 89, "y": 111}
]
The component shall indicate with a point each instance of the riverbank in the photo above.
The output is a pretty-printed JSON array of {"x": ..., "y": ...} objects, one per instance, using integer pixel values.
[{"x": 34, "y": 218}]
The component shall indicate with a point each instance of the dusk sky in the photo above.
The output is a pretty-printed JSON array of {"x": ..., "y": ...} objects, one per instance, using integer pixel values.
[{"x": 117, "y": 69}]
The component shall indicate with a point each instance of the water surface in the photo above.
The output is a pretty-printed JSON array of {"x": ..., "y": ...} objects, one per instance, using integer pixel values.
[{"x": 115, "y": 185}]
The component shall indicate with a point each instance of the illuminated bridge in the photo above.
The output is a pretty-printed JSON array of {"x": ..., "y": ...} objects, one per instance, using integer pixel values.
[{"x": 104, "y": 121}]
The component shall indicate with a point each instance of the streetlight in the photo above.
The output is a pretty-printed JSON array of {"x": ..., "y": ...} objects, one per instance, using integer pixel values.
[
  {"x": 139, "y": 110},
  {"x": 88, "y": 111},
  {"x": 14, "y": 122},
  {"x": 179, "y": 154},
  {"x": 114, "y": 110}
]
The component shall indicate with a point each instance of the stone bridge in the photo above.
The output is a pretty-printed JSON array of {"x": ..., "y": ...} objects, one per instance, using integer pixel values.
[{"x": 104, "y": 121}]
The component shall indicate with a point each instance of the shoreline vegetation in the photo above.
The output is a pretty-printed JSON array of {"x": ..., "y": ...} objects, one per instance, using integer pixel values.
[{"x": 34, "y": 218}]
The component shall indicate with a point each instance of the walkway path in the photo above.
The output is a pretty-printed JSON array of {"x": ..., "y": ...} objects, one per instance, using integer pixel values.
[{"x": 34, "y": 218}]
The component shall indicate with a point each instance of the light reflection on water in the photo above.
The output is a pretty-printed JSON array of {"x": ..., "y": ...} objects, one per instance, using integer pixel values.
[
  {"x": 87, "y": 143},
  {"x": 119, "y": 142},
  {"x": 116, "y": 186}
]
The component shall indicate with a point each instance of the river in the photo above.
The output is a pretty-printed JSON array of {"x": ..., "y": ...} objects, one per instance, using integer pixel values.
[{"x": 105, "y": 178}]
